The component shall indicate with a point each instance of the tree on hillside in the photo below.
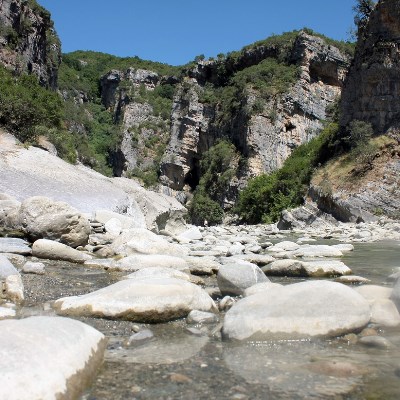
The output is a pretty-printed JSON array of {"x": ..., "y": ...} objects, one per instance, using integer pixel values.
[{"x": 362, "y": 10}]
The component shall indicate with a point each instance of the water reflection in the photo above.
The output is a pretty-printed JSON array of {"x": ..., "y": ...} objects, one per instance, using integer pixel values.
[
  {"x": 305, "y": 368},
  {"x": 159, "y": 350}
]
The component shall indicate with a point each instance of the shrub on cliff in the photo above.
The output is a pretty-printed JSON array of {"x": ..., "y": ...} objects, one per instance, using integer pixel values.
[
  {"x": 217, "y": 168},
  {"x": 25, "y": 105},
  {"x": 266, "y": 196}
]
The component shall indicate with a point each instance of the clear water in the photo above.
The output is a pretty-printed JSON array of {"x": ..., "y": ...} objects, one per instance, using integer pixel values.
[{"x": 176, "y": 364}]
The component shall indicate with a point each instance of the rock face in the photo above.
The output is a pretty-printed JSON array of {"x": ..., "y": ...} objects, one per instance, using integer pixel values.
[
  {"x": 370, "y": 94},
  {"x": 145, "y": 130},
  {"x": 264, "y": 139},
  {"x": 307, "y": 309},
  {"x": 63, "y": 353},
  {"x": 28, "y": 42},
  {"x": 372, "y": 87},
  {"x": 33, "y": 172}
]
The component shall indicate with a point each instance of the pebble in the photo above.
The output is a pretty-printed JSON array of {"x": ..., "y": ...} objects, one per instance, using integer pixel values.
[
  {"x": 179, "y": 378},
  {"x": 37, "y": 268},
  {"x": 368, "y": 332},
  {"x": 376, "y": 341},
  {"x": 140, "y": 336},
  {"x": 226, "y": 303}
]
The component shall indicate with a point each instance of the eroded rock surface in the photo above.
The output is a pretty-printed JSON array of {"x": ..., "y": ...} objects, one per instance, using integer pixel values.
[{"x": 48, "y": 358}]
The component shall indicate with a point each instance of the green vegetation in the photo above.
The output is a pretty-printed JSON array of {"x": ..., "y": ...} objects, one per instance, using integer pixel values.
[
  {"x": 362, "y": 10},
  {"x": 362, "y": 149},
  {"x": 81, "y": 70},
  {"x": 218, "y": 167},
  {"x": 268, "y": 79},
  {"x": 266, "y": 196},
  {"x": 25, "y": 106}
]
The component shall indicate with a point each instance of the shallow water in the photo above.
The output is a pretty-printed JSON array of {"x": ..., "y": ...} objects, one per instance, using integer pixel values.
[{"x": 176, "y": 364}]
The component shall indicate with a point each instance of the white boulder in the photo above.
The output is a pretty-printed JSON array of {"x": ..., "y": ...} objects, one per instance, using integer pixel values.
[
  {"x": 47, "y": 358},
  {"x": 233, "y": 279},
  {"x": 51, "y": 250},
  {"x": 43, "y": 218},
  {"x": 302, "y": 310},
  {"x": 146, "y": 300}
]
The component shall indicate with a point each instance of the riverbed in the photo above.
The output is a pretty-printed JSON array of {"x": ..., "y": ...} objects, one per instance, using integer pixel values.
[{"x": 197, "y": 364}]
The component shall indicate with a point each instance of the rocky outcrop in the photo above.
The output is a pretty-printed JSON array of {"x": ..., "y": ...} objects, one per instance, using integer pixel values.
[
  {"x": 33, "y": 172},
  {"x": 351, "y": 191},
  {"x": 28, "y": 42},
  {"x": 144, "y": 129},
  {"x": 372, "y": 89},
  {"x": 266, "y": 137},
  {"x": 365, "y": 186}
]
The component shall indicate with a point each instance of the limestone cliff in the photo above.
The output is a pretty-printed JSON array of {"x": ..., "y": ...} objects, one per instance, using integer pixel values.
[
  {"x": 350, "y": 188},
  {"x": 28, "y": 42},
  {"x": 264, "y": 128},
  {"x": 372, "y": 89},
  {"x": 143, "y": 117}
]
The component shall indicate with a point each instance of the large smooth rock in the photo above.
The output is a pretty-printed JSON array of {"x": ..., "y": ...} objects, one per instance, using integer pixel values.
[
  {"x": 193, "y": 233},
  {"x": 302, "y": 310},
  {"x": 47, "y": 358},
  {"x": 158, "y": 272},
  {"x": 127, "y": 222},
  {"x": 283, "y": 246},
  {"x": 51, "y": 250},
  {"x": 395, "y": 294},
  {"x": 202, "y": 265},
  {"x": 15, "y": 246},
  {"x": 384, "y": 313},
  {"x": 260, "y": 288},
  {"x": 234, "y": 279},
  {"x": 9, "y": 209},
  {"x": 162, "y": 212},
  {"x": 43, "y": 218},
  {"x": 316, "y": 269},
  {"x": 6, "y": 268},
  {"x": 113, "y": 227},
  {"x": 142, "y": 241},
  {"x": 34, "y": 172},
  {"x": 146, "y": 300},
  {"x": 374, "y": 292},
  {"x": 139, "y": 261},
  {"x": 317, "y": 251}
]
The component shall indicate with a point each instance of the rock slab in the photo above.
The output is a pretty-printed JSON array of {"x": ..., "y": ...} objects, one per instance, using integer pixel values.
[{"x": 47, "y": 358}]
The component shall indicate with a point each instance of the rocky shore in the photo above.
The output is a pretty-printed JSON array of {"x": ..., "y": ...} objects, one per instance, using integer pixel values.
[{"x": 220, "y": 281}]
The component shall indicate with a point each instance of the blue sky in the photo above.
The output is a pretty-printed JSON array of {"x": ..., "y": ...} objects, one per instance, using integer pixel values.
[{"x": 175, "y": 31}]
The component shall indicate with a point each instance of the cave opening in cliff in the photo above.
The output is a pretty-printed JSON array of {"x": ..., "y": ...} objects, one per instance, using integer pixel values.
[
  {"x": 322, "y": 74},
  {"x": 193, "y": 176}
]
